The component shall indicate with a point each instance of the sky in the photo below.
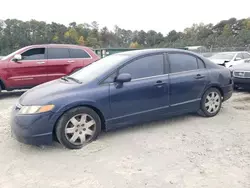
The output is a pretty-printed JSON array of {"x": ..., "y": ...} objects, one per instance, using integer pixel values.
[{"x": 159, "y": 15}]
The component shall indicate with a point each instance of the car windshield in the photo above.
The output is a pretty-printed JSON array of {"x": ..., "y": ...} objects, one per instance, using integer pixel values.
[
  {"x": 97, "y": 68},
  {"x": 10, "y": 55},
  {"x": 224, "y": 56}
]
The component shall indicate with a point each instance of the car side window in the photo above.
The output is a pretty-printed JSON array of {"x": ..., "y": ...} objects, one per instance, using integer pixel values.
[
  {"x": 34, "y": 54},
  {"x": 78, "y": 53},
  {"x": 239, "y": 55},
  {"x": 58, "y": 53},
  {"x": 180, "y": 62},
  {"x": 145, "y": 67},
  {"x": 246, "y": 56},
  {"x": 201, "y": 64}
]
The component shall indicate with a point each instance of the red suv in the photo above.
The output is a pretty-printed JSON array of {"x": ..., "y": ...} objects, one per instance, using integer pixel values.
[{"x": 34, "y": 65}]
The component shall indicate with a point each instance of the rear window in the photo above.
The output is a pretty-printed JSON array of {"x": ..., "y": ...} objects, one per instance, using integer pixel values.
[
  {"x": 58, "y": 53},
  {"x": 78, "y": 53},
  {"x": 201, "y": 64},
  {"x": 180, "y": 62}
]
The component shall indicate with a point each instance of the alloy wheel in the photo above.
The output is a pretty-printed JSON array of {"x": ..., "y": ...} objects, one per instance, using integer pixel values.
[
  {"x": 80, "y": 129},
  {"x": 212, "y": 103}
]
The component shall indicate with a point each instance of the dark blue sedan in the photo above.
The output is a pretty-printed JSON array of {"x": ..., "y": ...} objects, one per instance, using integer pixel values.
[{"x": 120, "y": 90}]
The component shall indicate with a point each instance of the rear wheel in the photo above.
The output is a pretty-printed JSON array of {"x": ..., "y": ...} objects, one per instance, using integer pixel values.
[
  {"x": 210, "y": 103},
  {"x": 78, "y": 127}
]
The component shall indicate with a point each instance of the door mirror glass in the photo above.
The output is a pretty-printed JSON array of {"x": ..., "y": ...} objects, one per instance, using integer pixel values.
[
  {"x": 238, "y": 59},
  {"x": 17, "y": 58},
  {"x": 123, "y": 77}
]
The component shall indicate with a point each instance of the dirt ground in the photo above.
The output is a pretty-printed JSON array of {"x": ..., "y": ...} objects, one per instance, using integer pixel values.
[{"x": 187, "y": 151}]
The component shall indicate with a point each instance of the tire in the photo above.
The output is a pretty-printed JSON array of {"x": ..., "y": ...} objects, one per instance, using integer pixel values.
[
  {"x": 78, "y": 127},
  {"x": 207, "y": 104}
]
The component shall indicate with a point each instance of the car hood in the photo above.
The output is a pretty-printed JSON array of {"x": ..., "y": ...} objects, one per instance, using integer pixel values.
[
  {"x": 218, "y": 61},
  {"x": 48, "y": 92},
  {"x": 242, "y": 67}
]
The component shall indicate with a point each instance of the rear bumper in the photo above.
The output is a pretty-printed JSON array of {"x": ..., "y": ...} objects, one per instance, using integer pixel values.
[{"x": 227, "y": 92}]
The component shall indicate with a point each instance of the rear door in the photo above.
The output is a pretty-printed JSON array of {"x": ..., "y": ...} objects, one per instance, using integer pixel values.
[
  {"x": 31, "y": 70},
  {"x": 59, "y": 63},
  {"x": 188, "y": 79},
  {"x": 80, "y": 57}
]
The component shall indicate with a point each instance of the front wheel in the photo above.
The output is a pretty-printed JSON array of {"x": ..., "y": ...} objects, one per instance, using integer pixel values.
[
  {"x": 210, "y": 103},
  {"x": 78, "y": 127}
]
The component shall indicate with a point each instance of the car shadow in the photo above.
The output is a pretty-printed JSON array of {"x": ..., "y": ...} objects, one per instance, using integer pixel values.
[
  {"x": 11, "y": 94},
  {"x": 148, "y": 126}
]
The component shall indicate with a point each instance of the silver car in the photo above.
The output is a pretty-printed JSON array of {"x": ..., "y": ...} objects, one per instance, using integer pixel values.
[{"x": 230, "y": 59}]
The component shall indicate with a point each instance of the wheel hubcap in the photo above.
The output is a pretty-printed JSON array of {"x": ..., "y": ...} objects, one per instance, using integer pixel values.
[
  {"x": 213, "y": 101},
  {"x": 80, "y": 129}
]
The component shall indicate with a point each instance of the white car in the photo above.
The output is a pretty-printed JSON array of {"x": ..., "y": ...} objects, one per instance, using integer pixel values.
[{"x": 229, "y": 59}]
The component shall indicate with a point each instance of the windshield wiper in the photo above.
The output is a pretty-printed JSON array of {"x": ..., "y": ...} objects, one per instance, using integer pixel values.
[
  {"x": 73, "y": 79},
  {"x": 64, "y": 78}
]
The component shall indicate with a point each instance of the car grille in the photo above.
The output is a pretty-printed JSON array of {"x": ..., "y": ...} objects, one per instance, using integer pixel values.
[{"x": 241, "y": 74}]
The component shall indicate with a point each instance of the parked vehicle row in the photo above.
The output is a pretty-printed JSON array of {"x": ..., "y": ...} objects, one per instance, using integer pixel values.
[
  {"x": 34, "y": 65},
  {"x": 238, "y": 63},
  {"x": 117, "y": 91}
]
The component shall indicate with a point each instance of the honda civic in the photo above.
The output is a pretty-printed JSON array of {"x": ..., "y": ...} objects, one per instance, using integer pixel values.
[{"x": 120, "y": 90}]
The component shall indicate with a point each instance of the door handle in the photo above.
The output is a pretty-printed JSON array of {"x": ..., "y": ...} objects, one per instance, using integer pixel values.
[
  {"x": 159, "y": 84},
  {"x": 41, "y": 62},
  {"x": 199, "y": 76},
  {"x": 71, "y": 61}
]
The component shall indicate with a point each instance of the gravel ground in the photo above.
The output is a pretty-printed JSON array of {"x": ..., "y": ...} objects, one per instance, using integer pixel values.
[{"x": 187, "y": 151}]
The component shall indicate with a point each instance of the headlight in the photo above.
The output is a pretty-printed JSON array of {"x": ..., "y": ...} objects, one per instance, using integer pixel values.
[{"x": 36, "y": 109}]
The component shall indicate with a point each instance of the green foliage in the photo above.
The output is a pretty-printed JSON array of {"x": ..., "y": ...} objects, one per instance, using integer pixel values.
[
  {"x": 15, "y": 34},
  {"x": 134, "y": 45}
]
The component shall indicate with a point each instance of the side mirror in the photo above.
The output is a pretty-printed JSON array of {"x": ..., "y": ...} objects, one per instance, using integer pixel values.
[
  {"x": 17, "y": 58},
  {"x": 123, "y": 77},
  {"x": 237, "y": 59}
]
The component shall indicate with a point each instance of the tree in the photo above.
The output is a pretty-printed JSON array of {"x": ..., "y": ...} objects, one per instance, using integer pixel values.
[
  {"x": 71, "y": 36},
  {"x": 15, "y": 34},
  {"x": 81, "y": 41},
  {"x": 134, "y": 45}
]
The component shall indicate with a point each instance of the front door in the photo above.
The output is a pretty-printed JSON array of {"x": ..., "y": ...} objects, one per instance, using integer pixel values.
[
  {"x": 188, "y": 79},
  {"x": 30, "y": 71},
  {"x": 145, "y": 95}
]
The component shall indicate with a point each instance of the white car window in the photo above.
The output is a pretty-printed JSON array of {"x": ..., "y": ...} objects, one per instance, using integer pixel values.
[
  {"x": 246, "y": 55},
  {"x": 239, "y": 55}
]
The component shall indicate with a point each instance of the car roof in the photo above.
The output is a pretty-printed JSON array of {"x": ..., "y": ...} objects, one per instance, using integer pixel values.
[
  {"x": 57, "y": 45},
  {"x": 158, "y": 50},
  {"x": 232, "y": 52}
]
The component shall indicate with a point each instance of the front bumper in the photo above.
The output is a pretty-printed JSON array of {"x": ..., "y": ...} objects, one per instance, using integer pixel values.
[
  {"x": 35, "y": 129},
  {"x": 242, "y": 82}
]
